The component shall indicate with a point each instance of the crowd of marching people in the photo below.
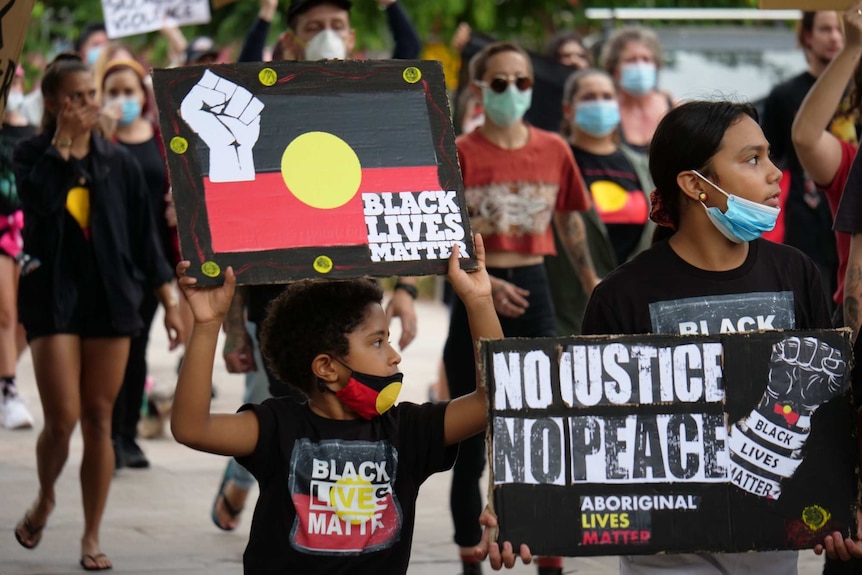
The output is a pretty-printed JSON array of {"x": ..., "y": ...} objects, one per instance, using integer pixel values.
[{"x": 590, "y": 211}]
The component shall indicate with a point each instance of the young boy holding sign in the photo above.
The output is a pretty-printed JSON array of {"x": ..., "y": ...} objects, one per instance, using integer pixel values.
[{"x": 339, "y": 474}]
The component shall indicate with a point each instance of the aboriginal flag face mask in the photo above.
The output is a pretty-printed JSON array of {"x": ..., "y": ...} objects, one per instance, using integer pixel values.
[{"x": 370, "y": 395}]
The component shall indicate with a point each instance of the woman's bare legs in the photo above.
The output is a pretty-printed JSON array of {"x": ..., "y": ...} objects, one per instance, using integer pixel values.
[
  {"x": 103, "y": 366},
  {"x": 57, "y": 363},
  {"x": 8, "y": 316}
]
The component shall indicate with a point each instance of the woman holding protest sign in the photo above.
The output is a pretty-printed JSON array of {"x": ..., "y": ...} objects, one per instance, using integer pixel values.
[
  {"x": 717, "y": 192},
  {"x": 88, "y": 220}
]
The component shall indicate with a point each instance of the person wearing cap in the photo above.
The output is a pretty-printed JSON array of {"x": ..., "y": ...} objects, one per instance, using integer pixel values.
[
  {"x": 202, "y": 50},
  {"x": 13, "y": 410},
  {"x": 318, "y": 29},
  {"x": 292, "y": 42}
]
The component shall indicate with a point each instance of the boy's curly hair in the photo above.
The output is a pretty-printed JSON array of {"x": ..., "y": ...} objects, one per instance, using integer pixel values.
[{"x": 309, "y": 318}]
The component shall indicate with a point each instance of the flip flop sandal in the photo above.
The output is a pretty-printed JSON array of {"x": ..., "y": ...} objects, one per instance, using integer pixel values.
[
  {"x": 232, "y": 512},
  {"x": 32, "y": 532},
  {"x": 94, "y": 559}
]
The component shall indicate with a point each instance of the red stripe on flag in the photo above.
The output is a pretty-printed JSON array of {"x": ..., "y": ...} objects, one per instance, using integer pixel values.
[
  {"x": 263, "y": 215},
  {"x": 416, "y": 179}
]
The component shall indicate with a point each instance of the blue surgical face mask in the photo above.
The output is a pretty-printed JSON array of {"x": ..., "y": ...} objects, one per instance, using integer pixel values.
[
  {"x": 130, "y": 110},
  {"x": 93, "y": 54},
  {"x": 598, "y": 117},
  {"x": 508, "y": 108},
  {"x": 744, "y": 220},
  {"x": 639, "y": 78}
]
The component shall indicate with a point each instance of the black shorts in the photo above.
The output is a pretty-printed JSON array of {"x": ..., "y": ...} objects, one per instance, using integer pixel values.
[{"x": 90, "y": 318}]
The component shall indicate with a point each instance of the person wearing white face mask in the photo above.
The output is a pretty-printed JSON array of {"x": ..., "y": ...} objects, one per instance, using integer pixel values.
[
  {"x": 13, "y": 410},
  {"x": 125, "y": 97},
  {"x": 618, "y": 225},
  {"x": 633, "y": 57},
  {"x": 517, "y": 179},
  {"x": 318, "y": 29}
]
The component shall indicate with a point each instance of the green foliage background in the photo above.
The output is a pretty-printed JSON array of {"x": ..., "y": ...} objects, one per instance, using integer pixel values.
[{"x": 55, "y": 23}]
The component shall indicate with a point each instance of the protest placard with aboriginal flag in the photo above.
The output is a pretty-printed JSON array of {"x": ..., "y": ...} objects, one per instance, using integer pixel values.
[{"x": 329, "y": 169}]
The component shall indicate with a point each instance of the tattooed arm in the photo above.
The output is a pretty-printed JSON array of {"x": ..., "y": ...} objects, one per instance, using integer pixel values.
[
  {"x": 570, "y": 226},
  {"x": 853, "y": 285}
]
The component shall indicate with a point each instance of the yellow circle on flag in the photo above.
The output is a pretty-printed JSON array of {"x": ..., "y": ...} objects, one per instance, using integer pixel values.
[
  {"x": 608, "y": 196},
  {"x": 210, "y": 269},
  {"x": 412, "y": 74},
  {"x": 322, "y": 264},
  {"x": 267, "y": 76},
  {"x": 321, "y": 170},
  {"x": 179, "y": 145}
]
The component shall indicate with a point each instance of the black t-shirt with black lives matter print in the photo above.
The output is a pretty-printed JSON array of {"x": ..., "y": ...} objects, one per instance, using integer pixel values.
[
  {"x": 340, "y": 496},
  {"x": 777, "y": 287}
]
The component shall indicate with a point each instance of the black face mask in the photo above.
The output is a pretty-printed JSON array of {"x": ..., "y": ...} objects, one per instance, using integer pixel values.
[{"x": 370, "y": 395}]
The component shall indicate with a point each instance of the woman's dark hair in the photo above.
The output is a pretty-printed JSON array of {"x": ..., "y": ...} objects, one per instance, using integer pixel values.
[
  {"x": 61, "y": 66},
  {"x": 571, "y": 87},
  {"x": 309, "y": 318},
  {"x": 686, "y": 139},
  {"x": 560, "y": 39}
]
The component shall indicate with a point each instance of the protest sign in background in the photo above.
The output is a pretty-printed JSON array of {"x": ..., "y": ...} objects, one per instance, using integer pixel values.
[
  {"x": 130, "y": 17},
  {"x": 330, "y": 169},
  {"x": 14, "y": 16},
  {"x": 647, "y": 444}
]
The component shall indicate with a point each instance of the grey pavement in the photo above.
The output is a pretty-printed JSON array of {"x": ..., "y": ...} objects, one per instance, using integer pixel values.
[{"x": 158, "y": 520}]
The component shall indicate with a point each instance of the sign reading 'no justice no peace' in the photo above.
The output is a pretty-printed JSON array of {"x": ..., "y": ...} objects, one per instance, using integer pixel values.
[
  {"x": 654, "y": 443},
  {"x": 296, "y": 170}
]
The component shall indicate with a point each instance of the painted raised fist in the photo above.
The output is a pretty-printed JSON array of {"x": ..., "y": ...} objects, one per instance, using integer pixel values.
[
  {"x": 803, "y": 374},
  {"x": 227, "y": 118}
]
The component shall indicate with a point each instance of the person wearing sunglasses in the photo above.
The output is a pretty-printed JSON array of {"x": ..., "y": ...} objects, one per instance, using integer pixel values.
[
  {"x": 618, "y": 225},
  {"x": 517, "y": 178}
]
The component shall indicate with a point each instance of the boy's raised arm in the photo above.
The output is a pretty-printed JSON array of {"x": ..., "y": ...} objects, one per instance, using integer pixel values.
[
  {"x": 467, "y": 415},
  {"x": 191, "y": 421}
]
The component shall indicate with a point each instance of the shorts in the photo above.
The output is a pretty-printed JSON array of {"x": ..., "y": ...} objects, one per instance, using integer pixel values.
[{"x": 91, "y": 317}]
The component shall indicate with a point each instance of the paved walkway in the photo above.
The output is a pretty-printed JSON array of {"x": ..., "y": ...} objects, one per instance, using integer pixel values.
[{"x": 157, "y": 520}]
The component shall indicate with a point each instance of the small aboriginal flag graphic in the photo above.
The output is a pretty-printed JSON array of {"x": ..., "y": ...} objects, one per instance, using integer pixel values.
[
  {"x": 343, "y": 493},
  {"x": 276, "y": 166}
]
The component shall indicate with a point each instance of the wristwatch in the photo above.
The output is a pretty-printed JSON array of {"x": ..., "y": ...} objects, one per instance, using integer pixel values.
[{"x": 62, "y": 142}]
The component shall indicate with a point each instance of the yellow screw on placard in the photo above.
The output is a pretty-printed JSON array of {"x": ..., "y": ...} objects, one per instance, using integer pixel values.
[
  {"x": 412, "y": 75},
  {"x": 179, "y": 145},
  {"x": 322, "y": 264},
  {"x": 267, "y": 77},
  {"x": 210, "y": 269}
]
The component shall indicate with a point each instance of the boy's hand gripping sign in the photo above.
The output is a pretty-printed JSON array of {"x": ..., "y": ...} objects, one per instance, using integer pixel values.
[{"x": 313, "y": 170}]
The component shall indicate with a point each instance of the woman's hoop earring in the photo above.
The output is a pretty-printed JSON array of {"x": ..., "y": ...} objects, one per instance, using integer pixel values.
[{"x": 702, "y": 197}]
